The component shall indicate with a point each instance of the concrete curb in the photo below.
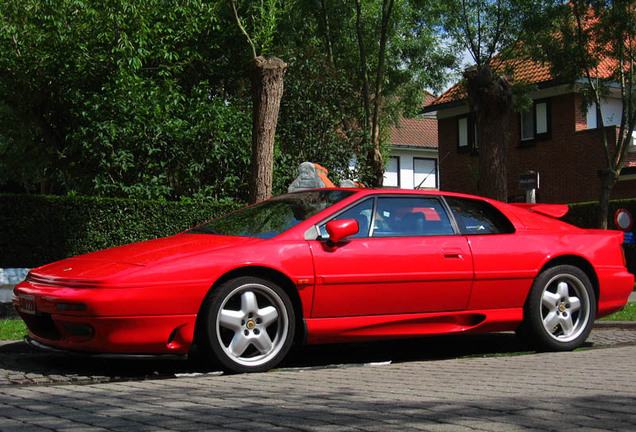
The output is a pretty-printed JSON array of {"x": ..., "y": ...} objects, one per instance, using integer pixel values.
[{"x": 626, "y": 325}]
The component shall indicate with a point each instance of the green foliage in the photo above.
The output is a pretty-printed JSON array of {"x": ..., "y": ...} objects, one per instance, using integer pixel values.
[
  {"x": 115, "y": 98},
  {"x": 12, "y": 329},
  {"x": 331, "y": 57},
  {"x": 312, "y": 118},
  {"x": 40, "y": 229},
  {"x": 150, "y": 99},
  {"x": 584, "y": 215},
  {"x": 487, "y": 28}
]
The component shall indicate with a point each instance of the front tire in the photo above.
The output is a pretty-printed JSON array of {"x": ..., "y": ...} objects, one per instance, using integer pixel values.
[
  {"x": 249, "y": 324},
  {"x": 560, "y": 310}
]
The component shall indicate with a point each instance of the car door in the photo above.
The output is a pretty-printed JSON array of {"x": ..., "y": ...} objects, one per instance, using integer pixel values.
[
  {"x": 505, "y": 263},
  {"x": 406, "y": 258}
]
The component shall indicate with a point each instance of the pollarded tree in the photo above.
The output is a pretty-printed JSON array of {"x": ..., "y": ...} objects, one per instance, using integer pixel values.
[
  {"x": 593, "y": 45},
  {"x": 266, "y": 77},
  {"x": 489, "y": 31}
]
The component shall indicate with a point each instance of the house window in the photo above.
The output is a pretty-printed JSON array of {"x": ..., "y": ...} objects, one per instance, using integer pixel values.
[
  {"x": 592, "y": 116},
  {"x": 611, "y": 110},
  {"x": 534, "y": 124},
  {"x": 392, "y": 172},
  {"x": 466, "y": 134},
  {"x": 541, "y": 114},
  {"x": 462, "y": 130},
  {"x": 424, "y": 173},
  {"x": 527, "y": 126}
]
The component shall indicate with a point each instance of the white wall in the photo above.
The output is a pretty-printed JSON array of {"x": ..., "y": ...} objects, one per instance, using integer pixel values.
[{"x": 424, "y": 160}]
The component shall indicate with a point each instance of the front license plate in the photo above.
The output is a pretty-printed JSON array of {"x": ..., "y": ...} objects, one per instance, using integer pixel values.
[{"x": 26, "y": 304}]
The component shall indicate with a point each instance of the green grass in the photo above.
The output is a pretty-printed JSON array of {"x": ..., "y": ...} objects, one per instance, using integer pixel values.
[
  {"x": 627, "y": 314},
  {"x": 12, "y": 329}
]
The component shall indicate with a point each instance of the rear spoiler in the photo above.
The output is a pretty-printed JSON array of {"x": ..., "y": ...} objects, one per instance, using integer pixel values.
[{"x": 552, "y": 210}]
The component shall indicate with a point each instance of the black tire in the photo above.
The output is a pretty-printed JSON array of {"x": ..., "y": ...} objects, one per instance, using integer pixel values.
[
  {"x": 560, "y": 310},
  {"x": 248, "y": 324}
]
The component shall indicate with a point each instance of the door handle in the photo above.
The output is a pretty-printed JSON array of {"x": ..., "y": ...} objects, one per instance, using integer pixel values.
[{"x": 453, "y": 254}]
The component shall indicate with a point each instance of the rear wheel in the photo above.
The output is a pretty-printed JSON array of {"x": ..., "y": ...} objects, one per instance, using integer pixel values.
[
  {"x": 560, "y": 309},
  {"x": 249, "y": 324}
]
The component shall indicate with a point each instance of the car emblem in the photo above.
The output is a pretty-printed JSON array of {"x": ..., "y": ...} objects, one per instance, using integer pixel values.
[
  {"x": 250, "y": 325},
  {"x": 68, "y": 269}
]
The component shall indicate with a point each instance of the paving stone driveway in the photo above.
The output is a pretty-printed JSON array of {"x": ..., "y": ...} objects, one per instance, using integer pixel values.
[{"x": 586, "y": 390}]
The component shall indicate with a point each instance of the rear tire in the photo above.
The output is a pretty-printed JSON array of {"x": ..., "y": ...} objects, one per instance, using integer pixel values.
[
  {"x": 560, "y": 310},
  {"x": 248, "y": 324}
]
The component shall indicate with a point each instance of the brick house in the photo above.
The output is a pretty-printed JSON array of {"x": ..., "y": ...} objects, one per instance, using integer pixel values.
[
  {"x": 556, "y": 139},
  {"x": 413, "y": 161}
]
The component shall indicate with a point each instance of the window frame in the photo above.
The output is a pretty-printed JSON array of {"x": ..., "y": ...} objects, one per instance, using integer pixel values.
[
  {"x": 471, "y": 145},
  {"x": 509, "y": 229},
  {"x": 547, "y": 117},
  {"x": 374, "y": 209},
  {"x": 436, "y": 162}
]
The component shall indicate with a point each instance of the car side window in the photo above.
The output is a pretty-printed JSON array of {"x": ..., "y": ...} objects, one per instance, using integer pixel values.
[
  {"x": 476, "y": 217},
  {"x": 410, "y": 216},
  {"x": 360, "y": 212}
]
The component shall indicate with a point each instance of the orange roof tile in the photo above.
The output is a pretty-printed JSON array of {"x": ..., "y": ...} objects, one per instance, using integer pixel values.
[
  {"x": 523, "y": 70},
  {"x": 415, "y": 132}
]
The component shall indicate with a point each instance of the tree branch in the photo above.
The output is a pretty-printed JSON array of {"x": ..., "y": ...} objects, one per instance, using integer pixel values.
[{"x": 240, "y": 26}]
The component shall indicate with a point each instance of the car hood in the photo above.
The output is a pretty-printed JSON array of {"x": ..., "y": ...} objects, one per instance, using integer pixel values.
[{"x": 96, "y": 267}]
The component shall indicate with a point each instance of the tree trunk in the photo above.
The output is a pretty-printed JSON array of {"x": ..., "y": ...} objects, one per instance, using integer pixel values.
[
  {"x": 266, "y": 76},
  {"x": 490, "y": 100},
  {"x": 608, "y": 180},
  {"x": 375, "y": 162}
]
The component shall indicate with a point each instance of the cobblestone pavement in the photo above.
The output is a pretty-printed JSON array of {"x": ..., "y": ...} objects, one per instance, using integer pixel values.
[
  {"x": 465, "y": 383},
  {"x": 21, "y": 364},
  {"x": 580, "y": 391}
]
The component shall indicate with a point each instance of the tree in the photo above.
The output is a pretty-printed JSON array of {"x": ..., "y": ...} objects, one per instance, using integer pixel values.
[
  {"x": 148, "y": 100},
  {"x": 266, "y": 77},
  {"x": 592, "y": 44},
  {"x": 120, "y": 98},
  {"x": 489, "y": 30},
  {"x": 389, "y": 52}
]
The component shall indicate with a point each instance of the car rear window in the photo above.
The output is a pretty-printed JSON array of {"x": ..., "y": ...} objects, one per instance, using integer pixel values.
[{"x": 476, "y": 217}]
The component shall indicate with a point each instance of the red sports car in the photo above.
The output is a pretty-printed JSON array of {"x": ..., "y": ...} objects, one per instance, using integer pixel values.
[{"x": 333, "y": 265}]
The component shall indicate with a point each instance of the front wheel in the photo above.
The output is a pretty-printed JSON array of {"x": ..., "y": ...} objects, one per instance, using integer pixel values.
[
  {"x": 249, "y": 324},
  {"x": 560, "y": 309}
]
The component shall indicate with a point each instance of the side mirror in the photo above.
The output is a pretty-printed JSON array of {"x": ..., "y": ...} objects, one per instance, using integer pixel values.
[{"x": 341, "y": 229}]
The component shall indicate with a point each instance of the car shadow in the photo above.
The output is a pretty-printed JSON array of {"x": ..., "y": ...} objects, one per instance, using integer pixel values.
[{"x": 24, "y": 364}]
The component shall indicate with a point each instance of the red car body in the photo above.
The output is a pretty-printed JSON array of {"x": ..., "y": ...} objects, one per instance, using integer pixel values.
[{"x": 148, "y": 297}]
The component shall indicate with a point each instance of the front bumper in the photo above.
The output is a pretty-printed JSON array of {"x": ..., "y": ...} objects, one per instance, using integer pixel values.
[
  {"x": 105, "y": 320},
  {"x": 171, "y": 334}
]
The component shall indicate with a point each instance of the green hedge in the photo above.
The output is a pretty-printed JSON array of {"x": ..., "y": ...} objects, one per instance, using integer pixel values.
[
  {"x": 36, "y": 229},
  {"x": 584, "y": 215}
]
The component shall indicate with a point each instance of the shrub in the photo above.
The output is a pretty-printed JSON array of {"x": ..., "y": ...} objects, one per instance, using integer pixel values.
[
  {"x": 584, "y": 215},
  {"x": 39, "y": 229}
]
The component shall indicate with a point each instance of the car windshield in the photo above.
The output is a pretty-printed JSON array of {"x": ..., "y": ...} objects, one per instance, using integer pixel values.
[{"x": 275, "y": 216}]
